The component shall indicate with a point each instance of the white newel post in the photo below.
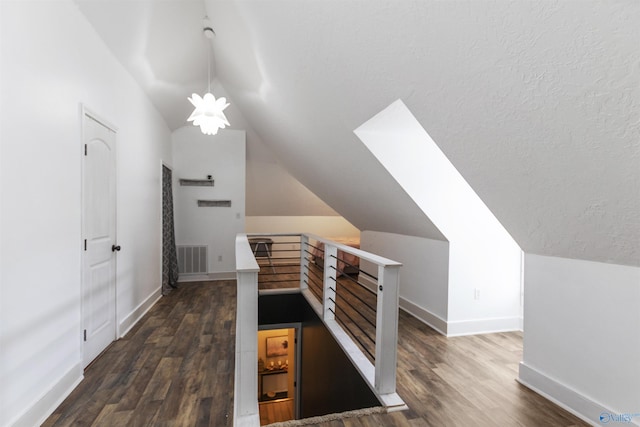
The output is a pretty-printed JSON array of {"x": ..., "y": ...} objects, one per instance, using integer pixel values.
[
  {"x": 304, "y": 260},
  {"x": 330, "y": 270},
  {"x": 246, "y": 373},
  {"x": 387, "y": 329},
  {"x": 247, "y": 343}
]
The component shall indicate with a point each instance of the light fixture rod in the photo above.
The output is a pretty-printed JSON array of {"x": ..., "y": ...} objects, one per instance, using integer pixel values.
[{"x": 208, "y": 113}]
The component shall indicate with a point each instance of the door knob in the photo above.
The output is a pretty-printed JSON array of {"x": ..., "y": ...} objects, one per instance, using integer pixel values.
[{"x": 115, "y": 248}]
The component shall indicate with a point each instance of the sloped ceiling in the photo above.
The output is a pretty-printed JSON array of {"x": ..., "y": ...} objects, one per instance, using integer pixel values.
[
  {"x": 536, "y": 103},
  {"x": 162, "y": 45}
]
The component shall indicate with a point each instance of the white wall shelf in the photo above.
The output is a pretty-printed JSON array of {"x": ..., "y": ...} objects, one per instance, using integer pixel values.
[
  {"x": 196, "y": 182},
  {"x": 214, "y": 203}
]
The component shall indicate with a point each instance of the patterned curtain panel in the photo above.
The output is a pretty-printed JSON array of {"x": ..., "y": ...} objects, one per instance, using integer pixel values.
[{"x": 169, "y": 253}]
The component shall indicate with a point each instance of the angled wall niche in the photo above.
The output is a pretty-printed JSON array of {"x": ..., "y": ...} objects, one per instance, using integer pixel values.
[{"x": 484, "y": 277}]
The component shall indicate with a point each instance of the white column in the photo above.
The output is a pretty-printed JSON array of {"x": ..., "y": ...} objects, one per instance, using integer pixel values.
[{"x": 387, "y": 329}]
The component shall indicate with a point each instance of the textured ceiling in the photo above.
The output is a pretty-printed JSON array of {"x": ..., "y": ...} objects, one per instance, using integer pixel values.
[{"x": 536, "y": 103}]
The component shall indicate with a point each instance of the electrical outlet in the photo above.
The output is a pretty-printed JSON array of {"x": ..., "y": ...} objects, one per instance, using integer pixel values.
[
  {"x": 476, "y": 294},
  {"x": 219, "y": 258}
]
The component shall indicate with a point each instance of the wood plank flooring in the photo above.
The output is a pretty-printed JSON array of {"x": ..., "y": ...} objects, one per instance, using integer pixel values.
[
  {"x": 276, "y": 411},
  {"x": 175, "y": 368}
]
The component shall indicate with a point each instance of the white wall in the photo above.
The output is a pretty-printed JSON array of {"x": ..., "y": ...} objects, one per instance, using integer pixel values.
[
  {"x": 46, "y": 74},
  {"x": 582, "y": 334},
  {"x": 325, "y": 226},
  {"x": 270, "y": 189},
  {"x": 222, "y": 156},
  {"x": 484, "y": 261},
  {"x": 424, "y": 284}
]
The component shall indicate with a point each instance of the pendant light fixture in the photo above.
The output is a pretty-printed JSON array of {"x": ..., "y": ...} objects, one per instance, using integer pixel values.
[{"x": 208, "y": 113}]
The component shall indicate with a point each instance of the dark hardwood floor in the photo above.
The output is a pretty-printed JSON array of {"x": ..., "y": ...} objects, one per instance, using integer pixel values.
[
  {"x": 175, "y": 368},
  {"x": 276, "y": 411}
]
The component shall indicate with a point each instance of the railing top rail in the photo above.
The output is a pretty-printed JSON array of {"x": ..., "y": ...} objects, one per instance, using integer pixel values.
[
  {"x": 245, "y": 261},
  {"x": 273, "y": 234},
  {"x": 376, "y": 259}
]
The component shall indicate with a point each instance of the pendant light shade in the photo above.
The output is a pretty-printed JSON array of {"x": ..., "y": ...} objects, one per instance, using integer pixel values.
[{"x": 208, "y": 113}]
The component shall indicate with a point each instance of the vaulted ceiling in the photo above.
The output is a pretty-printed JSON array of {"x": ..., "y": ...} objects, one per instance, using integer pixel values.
[{"x": 536, "y": 103}]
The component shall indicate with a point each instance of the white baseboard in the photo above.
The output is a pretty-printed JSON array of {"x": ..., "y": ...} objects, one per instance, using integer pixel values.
[
  {"x": 483, "y": 326},
  {"x": 42, "y": 408},
  {"x": 142, "y": 308},
  {"x": 570, "y": 399},
  {"x": 221, "y": 275},
  {"x": 455, "y": 328},
  {"x": 424, "y": 315}
]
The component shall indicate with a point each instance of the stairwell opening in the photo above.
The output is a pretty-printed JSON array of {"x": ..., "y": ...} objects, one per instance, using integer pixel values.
[{"x": 326, "y": 382}]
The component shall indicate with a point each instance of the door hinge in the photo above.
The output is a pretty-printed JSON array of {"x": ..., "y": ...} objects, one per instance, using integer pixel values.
[
  {"x": 295, "y": 340},
  {"x": 85, "y": 244},
  {"x": 295, "y": 384},
  {"x": 85, "y": 149},
  {"x": 85, "y": 334}
]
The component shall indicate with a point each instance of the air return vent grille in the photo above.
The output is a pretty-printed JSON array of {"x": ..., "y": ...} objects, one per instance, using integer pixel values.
[{"x": 192, "y": 259}]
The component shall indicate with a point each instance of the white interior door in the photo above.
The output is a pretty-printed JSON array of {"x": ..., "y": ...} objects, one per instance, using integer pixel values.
[{"x": 99, "y": 234}]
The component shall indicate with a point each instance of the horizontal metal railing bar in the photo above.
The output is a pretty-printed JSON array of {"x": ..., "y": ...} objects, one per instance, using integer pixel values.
[
  {"x": 282, "y": 264},
  {"x": 316, "y": 281},
  {"x": 342, "y": 272},
  {"x": 362, "y": 285},
  {"x": 345, "y": 262},
  {"x": 316, "y": 274},
  {"x": 315, "y": 247},
  {"x": 281, "y": 261},
  {"x": 356, "y": 323},
  {"x": 363, "y": 255},
  {"x": 346, "y": 288},
  {"x": 277, "y": 281},
  {"x": 315, "y": 268},
  {"x": 355, "y": 309},
  {"x": 353, "y": 335},
  {"x": 310, "y": 253},
  {"x": 313, "y": 281},
  {"x": 316, "y": 287},
  {"x": 253, "y": 235},
  {"x": 314, "y": 292},
  {"x": 277, "y": 274},
  {"x": 360, "y": 271},
  {"x": 360, "y": 343}
]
